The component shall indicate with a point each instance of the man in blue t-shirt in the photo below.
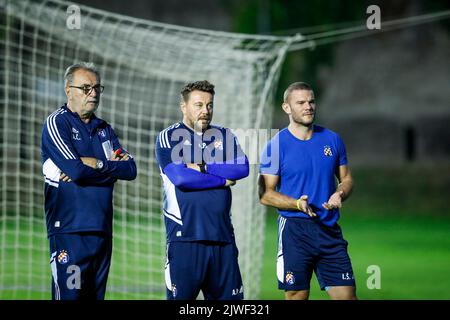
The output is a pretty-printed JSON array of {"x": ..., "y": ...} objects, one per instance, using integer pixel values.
[
  {"x": 198, "y": 163},
  {"x": 82, "y": 158},
  {"x": 298, "y": 170}
]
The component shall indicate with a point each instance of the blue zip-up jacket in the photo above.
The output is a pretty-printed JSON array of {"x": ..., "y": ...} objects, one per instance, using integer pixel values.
[
  {"x": 85, "y": 203},
  {"x": 197, "y": 206}
]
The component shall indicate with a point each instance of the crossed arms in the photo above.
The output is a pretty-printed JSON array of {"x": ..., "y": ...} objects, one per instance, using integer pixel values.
[
  {"x": 189, "y": 176},
  {"x": 57, "y": 145},
  {"x": 92, "y": 163},
  {"x": 185, "y": 174}
]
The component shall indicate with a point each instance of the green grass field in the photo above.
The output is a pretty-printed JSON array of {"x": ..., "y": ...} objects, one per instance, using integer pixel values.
[
  {"x": 398, "y": 219},
  {"x": 413, "y": 255},
  {"x": 25, "y": 273}
]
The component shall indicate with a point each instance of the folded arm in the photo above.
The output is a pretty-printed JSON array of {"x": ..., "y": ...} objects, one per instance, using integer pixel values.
[
  {"x": 57, "y": 144},
  {"x": 120, "y": 166},
  {"x": 189, "y": 178}
]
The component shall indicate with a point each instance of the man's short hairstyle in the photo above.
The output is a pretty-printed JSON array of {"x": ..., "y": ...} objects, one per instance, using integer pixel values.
[
  {"x": 295, "y": 86},
  {"x": 90, "y": 66},
  {"x": 204, "y": 86}
]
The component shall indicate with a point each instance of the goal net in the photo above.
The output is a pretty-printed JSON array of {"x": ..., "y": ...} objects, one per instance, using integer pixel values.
[{"x": 143, "y": 66}]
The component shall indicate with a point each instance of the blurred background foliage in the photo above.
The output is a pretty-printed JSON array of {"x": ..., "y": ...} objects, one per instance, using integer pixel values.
[{"x": 285, "y": 17}]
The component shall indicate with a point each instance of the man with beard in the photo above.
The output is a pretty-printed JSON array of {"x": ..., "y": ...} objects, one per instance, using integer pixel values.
[
  {"x": 82, "y": 159},
  {"x": 198, "y": 163},
  {"x": 298, "y": 169}
]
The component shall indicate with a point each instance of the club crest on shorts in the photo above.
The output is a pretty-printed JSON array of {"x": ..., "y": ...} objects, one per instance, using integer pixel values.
[
  {"x": 290, "y": 279},
  {"x": 63, "y": 257},
  {"x": 327, "y": 151}
]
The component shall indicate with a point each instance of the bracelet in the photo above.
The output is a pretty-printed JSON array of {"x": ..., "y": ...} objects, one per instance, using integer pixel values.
[{"x": 298, "y": 205}]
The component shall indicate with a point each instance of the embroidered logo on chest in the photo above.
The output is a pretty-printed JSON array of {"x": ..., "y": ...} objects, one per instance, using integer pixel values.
[
  {"x": 75, "y": 134},
  {"x": 327, "y": 151}
]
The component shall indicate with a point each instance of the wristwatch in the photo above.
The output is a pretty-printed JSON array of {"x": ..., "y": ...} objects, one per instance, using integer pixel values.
[
  {"x": 99, "y": 164},
  {"x": 202, "y": 167}
]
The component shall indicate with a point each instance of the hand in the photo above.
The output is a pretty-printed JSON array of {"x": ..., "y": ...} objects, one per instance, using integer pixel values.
[
  {"x": 64, "y": 177},
  {"x": 123, "y": 156},
  {"x": 89, "y": 161},
  {"x": 230, "y": 183},
  {"x": 335, "y": 201},
  {"x": 302, "y": 203}
]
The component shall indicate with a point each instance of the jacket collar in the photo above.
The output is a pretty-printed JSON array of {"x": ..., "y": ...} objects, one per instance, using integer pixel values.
[{"x": 96, "y": 122}]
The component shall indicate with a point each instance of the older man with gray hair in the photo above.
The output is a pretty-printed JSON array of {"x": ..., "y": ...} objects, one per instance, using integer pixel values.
[{"x": 82, "y": 158}]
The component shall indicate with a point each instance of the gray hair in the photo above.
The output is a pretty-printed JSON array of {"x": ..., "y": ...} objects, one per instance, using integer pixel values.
[
  {"x": 90, "y": 66},
  {"x": 295, "y": 86}
]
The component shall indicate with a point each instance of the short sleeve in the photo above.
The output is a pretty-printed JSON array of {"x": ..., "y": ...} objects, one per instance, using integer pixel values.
[
  {"x": 270, "y": 158},
  {"x": 341, "y": 151}
]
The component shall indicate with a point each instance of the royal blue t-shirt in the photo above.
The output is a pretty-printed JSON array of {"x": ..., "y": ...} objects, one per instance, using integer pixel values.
[{"x": 306, "y": 167}]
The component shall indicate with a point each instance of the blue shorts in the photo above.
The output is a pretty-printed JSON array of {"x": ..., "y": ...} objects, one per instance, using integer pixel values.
[
  {"x": 210, "y": 267},
  {"x": 80, "y": 265},
  {"x": 304, "y": 246}
]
